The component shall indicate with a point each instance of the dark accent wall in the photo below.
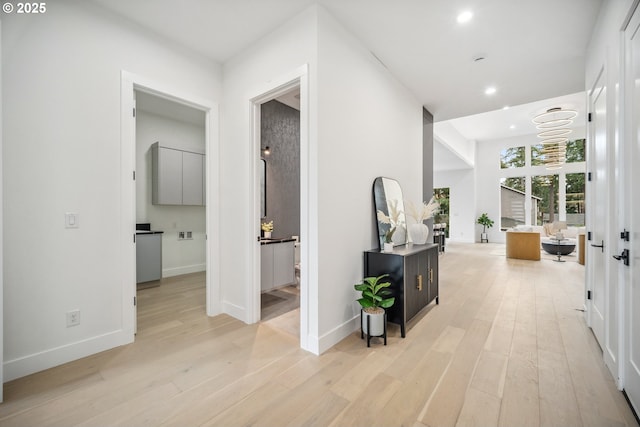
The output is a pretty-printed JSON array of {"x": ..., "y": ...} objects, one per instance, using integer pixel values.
[
  {"x": 427, "y": 159},
  {"x": 280, "y": 130}
]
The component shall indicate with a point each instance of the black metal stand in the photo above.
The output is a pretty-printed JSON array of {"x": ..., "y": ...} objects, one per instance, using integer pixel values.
[{"x": 384, "y": 334}]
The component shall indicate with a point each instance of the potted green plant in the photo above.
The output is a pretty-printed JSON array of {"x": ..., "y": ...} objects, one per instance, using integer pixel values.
[
  {"x": 374, "y": 299},
  {"x": 485, "y": 222}
]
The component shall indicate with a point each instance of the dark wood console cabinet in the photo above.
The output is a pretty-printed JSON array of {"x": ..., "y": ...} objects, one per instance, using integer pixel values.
[{"x": 413, "y": 273}]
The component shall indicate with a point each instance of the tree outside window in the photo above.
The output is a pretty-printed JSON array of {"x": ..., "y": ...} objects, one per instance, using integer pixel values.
[
  {"x": 512, "y": 157},
  {"x": 545, "y": 187}
]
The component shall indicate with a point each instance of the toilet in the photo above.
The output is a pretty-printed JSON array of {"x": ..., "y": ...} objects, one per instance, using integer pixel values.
[{"x": 297, "y": 259}]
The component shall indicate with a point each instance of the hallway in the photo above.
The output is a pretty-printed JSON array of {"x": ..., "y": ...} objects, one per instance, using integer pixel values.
[{"x": 506, "y": 346}]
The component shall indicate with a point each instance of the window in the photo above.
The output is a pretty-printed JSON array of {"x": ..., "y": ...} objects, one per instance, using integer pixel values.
[
  {"x": 512, "y": 157},
  {"x": 512, "y": 202},
  {"x": 536, "y": 155},
  {"x": 575, "y": 199},
  {"x": 442, "y": 197},
  {"x": 575, "y": 151},
  {"x": 545, "y": 188}
]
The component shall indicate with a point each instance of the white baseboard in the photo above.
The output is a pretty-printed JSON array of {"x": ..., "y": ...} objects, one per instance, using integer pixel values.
[
  {"x": 233, "y": 310},
  {"x": 37, "y": 362},
  {"x": 177, "y": 271},
  {"x": 337, "y": 334}
]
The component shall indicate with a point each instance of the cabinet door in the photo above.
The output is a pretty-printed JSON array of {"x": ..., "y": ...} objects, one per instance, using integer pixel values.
[
  {"x": 433, "y": 274},
  {"x": 167, "y": 176},
  {"x": 416, "y": 283},
  {"x": 266, "y": 267},
  {"x": 192, "y": 173},
  {"x": 283, "y": 263}
]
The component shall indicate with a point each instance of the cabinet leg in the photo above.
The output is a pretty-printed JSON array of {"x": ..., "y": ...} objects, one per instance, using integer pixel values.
[
  {"x": 402, "y": 334},
  {"x": 438, "y": 300}
]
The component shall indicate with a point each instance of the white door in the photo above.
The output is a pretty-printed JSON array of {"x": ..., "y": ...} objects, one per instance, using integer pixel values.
[
  {"x": 632, "y": 297},
  {"x": 598, "y": 196}
]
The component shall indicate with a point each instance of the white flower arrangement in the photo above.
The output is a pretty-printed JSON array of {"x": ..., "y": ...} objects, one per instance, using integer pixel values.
[
  {"x": 267, "y": 226},
  {"x": 392, "y": 219},
  {"x": 426, "y": 211}
]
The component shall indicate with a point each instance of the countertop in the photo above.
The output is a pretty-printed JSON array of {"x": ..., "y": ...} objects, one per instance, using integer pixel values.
[
  {"x": 149, "y": 232},
  {"x": 269, "y": 241}
]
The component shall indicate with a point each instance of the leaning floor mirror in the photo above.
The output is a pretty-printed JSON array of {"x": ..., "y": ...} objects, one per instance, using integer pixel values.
[{"x": 389, "y": 211}]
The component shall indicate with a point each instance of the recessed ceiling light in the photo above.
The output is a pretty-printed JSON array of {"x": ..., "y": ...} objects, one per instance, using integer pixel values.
[
  {"x": 465, "y": 17},
  {"x": 506, "y": 107},
  {"x": 490, "y": 90},
  {"x": 512, "y": 127}
]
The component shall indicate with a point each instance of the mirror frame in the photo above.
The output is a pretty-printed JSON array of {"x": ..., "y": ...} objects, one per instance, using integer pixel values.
[{"x": 382, "y": 187}]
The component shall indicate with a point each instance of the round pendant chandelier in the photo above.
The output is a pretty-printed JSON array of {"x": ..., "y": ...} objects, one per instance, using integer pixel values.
[{"x": 552, "y": 124}]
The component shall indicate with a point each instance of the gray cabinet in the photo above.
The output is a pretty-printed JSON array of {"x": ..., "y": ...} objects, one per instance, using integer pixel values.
[
  {"x": 148, "y": 257},
  {"x": 413, "y": 273},
  {"x": 277, "y": 265},
  {"x": 177, "y": 176}
]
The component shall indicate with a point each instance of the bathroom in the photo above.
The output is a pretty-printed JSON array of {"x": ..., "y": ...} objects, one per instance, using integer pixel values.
[{"x": 280, "y": 207}]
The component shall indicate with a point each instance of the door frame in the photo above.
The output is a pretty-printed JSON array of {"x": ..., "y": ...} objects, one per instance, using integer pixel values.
[
  {"x": 130, "y": 83},
  {"x": 276, "y": 87}
]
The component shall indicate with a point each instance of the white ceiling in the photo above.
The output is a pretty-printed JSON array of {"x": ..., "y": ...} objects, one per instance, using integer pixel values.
[{"x": 533, "y": 49}]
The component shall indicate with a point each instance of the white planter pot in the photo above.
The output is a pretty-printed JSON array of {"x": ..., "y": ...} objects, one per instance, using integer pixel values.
[
  {"x": 483, "y": 238},
  {"x": 266, "y": 234},
  {"x": 419, "y": 233},
  {"x": 388, "y": 247},
  {"x": 376, "y": 322}
]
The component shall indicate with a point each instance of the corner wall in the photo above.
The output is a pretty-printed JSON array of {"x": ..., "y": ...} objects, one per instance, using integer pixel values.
[
  {"x": 369, "y": 126},
  {"x": 61, "y": 135}
]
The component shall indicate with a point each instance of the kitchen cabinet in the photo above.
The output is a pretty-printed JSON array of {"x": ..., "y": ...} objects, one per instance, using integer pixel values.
[
  {"x": 178, "y": 176},
  {"x": 148, "y": 256},
  {"x": 277, "y": 263},
  {"x": 413, "y": 273}
]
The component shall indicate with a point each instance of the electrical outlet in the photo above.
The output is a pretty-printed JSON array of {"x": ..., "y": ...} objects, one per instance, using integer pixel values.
[
  {"x": 180, "y": 235},
  {"x": 73, "y": 318}
]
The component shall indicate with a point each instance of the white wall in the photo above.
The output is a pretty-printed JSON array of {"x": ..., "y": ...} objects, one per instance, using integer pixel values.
[
  {"x": 363, "y": 124},
  {"x": 488, "y": 174},
  {"x": 247, "y": 76},
  {"x": 369, "y": 126},
  {"x": 178, "y": 256},
  {"x": 61, "y": 93},
  {"x": 462, "y": 210},
  {"x": 1, "y": 234}
]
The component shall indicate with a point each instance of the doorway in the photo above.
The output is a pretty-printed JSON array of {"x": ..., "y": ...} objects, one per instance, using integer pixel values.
[
  {"x": 130, "y": 85},
  {"x": 280, "y": 264},
  {"x": 170, "y": 212}
]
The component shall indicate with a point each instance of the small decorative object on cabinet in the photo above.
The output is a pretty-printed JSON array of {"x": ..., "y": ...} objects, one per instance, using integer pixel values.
[
  {"x": 419, "y": 231},
  {"x": 375, "y": 298},
  {"x": 485, "y": 222},
  {"x": 413, "y": 274},
  {"x": 267, "y": 229}
]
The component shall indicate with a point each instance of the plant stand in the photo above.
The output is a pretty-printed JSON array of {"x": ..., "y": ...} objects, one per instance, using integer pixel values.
[
  {"x": 384, "y": 334},
  {"x": 484, "y": 238}
]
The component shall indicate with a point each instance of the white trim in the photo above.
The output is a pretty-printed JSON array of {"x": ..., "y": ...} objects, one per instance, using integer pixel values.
[
  {"x": 337, "y": 334},
  {"x": 37, "y": 362},
  {"x": 275, "y": 87},
  {"x": 1, "y": 238},
  {"x": 131, "y": 83},
  {"x": 185, "y": 269}
]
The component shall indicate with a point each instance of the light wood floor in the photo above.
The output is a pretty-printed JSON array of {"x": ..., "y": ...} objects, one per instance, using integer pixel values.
[{"x": 507, "y": 346}]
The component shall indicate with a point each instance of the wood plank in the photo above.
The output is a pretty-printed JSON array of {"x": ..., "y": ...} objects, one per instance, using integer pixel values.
[{"x": 505, "y": 346}]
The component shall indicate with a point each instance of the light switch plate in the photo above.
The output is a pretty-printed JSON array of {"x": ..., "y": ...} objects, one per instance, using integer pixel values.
[{"x": 71, "y": 220}]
